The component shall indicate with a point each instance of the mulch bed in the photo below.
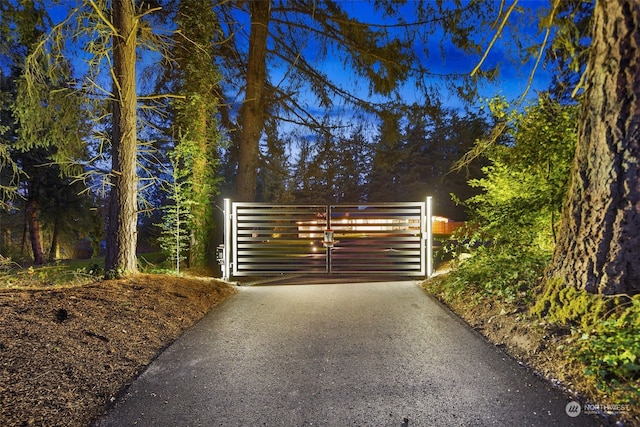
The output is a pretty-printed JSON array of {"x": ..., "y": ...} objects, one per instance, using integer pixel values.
[{"x": 66, "y": 353}]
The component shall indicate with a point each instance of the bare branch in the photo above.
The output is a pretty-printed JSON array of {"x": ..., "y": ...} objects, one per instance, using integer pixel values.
[
  {"x": 495, "y": 37},
  {"x": 103, "y": 18}
]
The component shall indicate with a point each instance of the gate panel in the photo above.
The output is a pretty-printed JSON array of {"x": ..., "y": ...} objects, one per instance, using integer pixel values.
[
  {"x": 387, "y": 238},
  {"x": 378, "y": 238},
  {"x": 272, "y": 239}
]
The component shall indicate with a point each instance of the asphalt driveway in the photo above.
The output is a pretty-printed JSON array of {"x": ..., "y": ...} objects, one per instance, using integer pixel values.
[{"x": 357, "y": 354}]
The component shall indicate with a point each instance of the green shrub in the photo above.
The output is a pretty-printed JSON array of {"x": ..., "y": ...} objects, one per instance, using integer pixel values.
[
  {"x": 611, "y": 353},
  {"x": 510, "y": 273}
]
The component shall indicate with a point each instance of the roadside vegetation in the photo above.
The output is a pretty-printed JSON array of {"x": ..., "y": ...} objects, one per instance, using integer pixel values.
[
  {"x": 72, "y": 272},
  {"x": 586, "y": 342}
]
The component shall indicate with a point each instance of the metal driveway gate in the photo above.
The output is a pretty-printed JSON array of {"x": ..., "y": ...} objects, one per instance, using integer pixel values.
[{"x": 385, "y": 238}]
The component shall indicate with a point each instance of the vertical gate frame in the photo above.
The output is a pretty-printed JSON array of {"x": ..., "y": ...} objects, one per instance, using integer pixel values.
[
  {"x": 429, "y": 237},
  {"x": 228, "y": 232}
]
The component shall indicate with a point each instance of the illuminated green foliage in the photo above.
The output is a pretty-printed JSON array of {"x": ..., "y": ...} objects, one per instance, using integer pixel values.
[
  {"x": 195, "y": 127},
  {"x": 177, "y": 217},
  {"x": 606, "y": 328},
  {"x": 611, "y": 352},
  {"x": 525, "y": 184},
  {"x": 517, "y": 209}
]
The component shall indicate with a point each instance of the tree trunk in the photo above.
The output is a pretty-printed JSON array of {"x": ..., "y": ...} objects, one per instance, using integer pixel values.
[
  {"x": 122, "y": 225},
  {"x": 598, "y": 245},
  {"x": 252, "y": 112},
  {"x": 201, "y": 194},
  {"x": 195, "y": 121},
  {"x": 34, "y": 229},
  {"x": 55, "y": 247}
]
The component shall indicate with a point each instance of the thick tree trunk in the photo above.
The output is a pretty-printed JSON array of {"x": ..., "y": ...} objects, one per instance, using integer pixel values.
[
  {"x": 201, "y": 192},
  {"x": 34, "y": 230},
  {"x": 195, "y": 120},
  {"x": 598, "y": 245},
  {"x": 252, "y": 112},
  {"x": 123, "y": 216}
]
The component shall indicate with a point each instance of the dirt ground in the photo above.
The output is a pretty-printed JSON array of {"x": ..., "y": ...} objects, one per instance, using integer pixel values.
[{"x": 66, "y": 353}]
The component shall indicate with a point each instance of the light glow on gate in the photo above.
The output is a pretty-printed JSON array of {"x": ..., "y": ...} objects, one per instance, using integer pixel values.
[
  {"x": 314, "y": 229},
  {"x": 358, "y": 226},
  {"x": 311, "y": 229}
]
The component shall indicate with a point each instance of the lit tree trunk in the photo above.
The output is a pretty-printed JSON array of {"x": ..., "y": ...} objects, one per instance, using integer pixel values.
[
  {"x": 252, "y": 112},
  {"x": 34, "y": 228},
  {"x": 54, "y": 250},
  {"x": 195, "y": 120},
  {"x": 598, "y": 245},
  {"x": 122, "y": 226},
  {"x": 201, "y": 193}
]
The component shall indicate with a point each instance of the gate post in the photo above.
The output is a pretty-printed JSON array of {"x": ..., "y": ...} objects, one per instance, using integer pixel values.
[
  {"x": 429, "y": 237},
  {"x": 329, "y": 244},
  {"x": 226, "y": 258}
]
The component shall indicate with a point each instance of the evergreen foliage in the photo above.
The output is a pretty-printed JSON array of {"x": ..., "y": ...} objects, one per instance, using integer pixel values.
[
  {"x": 192, "y": 78},
  {"x": 45, "y": 122},
  {"x": 276, "y": 181},
  {"x": 333, "y": 166},
  {"x": 9, "y": 170},
  {"x": 416, "y": 149},
  {"x": 384, "y": 56},
  {"x": 176, "y": 215}
]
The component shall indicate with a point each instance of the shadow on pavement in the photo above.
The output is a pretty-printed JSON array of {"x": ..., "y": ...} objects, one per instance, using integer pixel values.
[{"x": 315, "y": 279}]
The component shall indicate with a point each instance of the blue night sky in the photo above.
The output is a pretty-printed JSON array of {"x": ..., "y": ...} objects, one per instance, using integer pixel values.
[{"x": 443, "y": 58}]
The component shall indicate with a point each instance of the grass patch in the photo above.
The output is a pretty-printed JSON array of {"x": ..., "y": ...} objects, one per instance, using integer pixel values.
[{"x": 65, "y": 273}]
